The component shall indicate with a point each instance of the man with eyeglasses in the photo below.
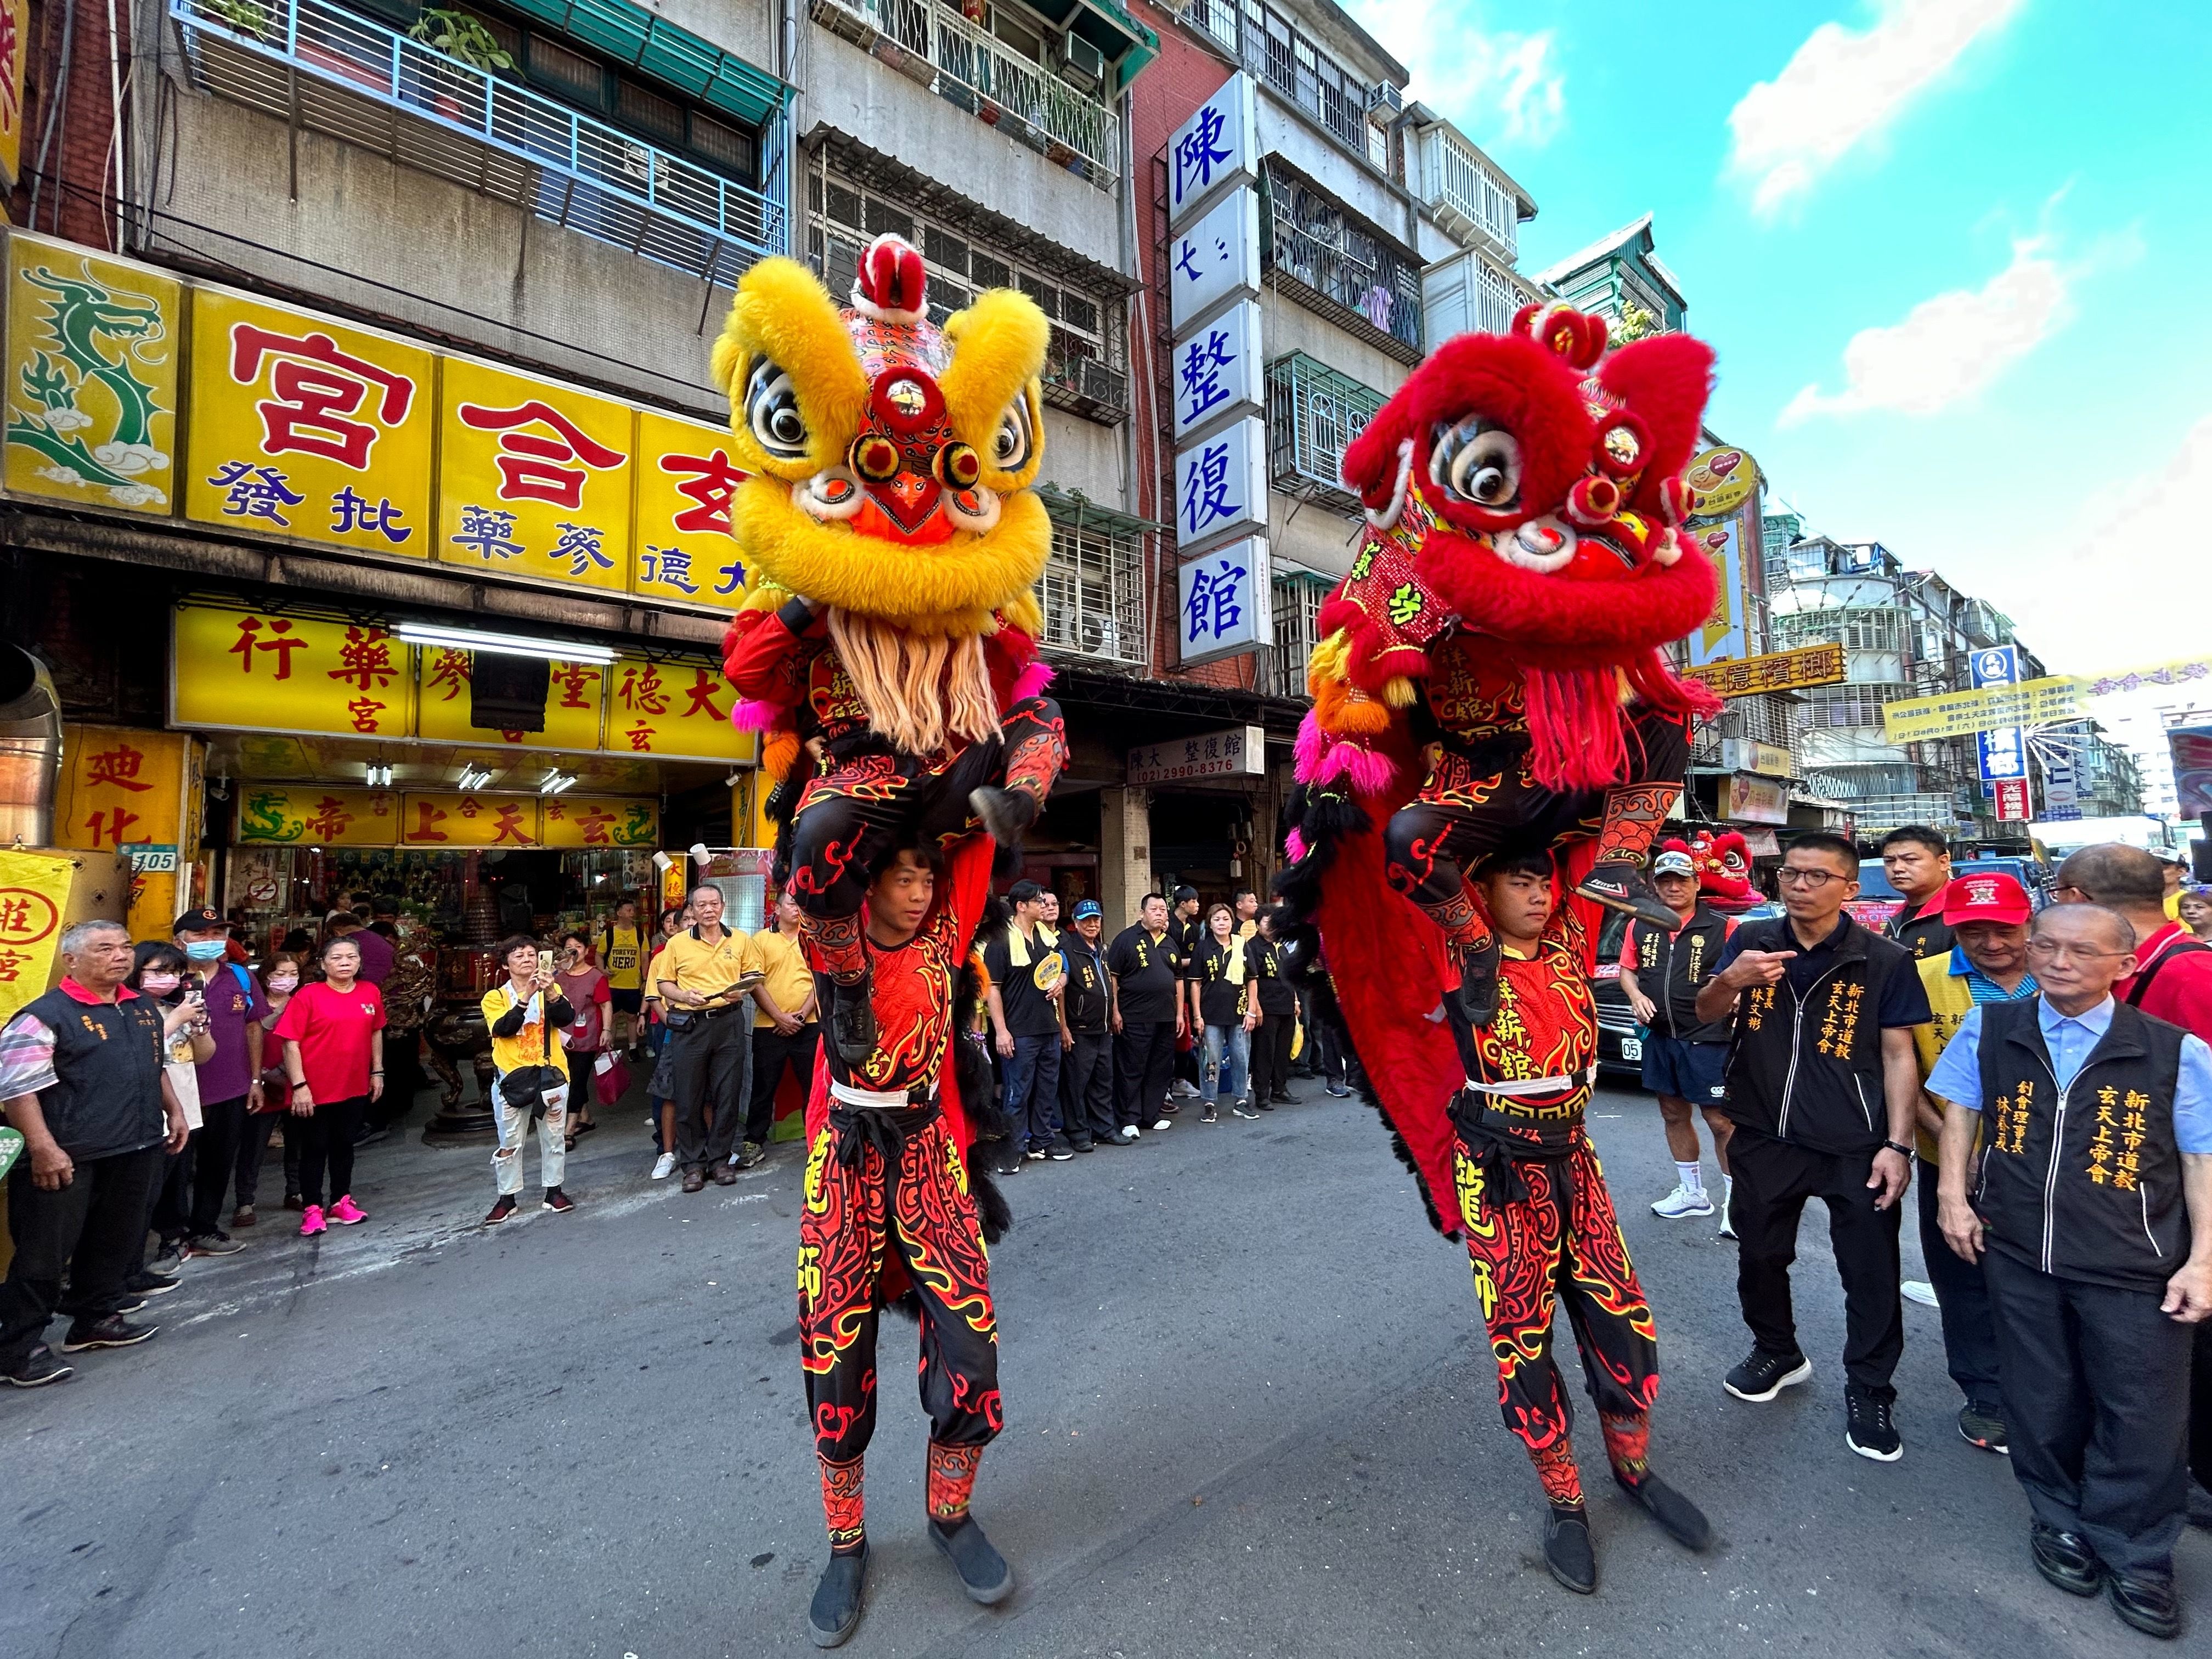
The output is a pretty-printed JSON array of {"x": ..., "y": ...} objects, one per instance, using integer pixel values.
[
  {"x": 2092, "y": 1219},
  {"x": 1823, "y": 1090}
]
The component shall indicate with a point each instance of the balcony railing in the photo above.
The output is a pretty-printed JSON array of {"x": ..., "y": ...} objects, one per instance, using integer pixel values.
[
  {"x": 1313, "y": 414},
  {"x": 1466, "y": 196},
  {"x": 328, "y": 70},
  {"x": 1379, "y": 300},
  {"x": 1092, "y": 592},
  {"x": 934, "y": 45},
  {"x": 1276, "y": 51}
]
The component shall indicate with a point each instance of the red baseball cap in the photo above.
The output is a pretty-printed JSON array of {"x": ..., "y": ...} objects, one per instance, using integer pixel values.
[{"x": 1990, "y": 896}]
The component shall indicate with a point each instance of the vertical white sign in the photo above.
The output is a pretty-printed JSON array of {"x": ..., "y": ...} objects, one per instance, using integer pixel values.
[
  {"x": 1213, "y": 259},
  {"x": 1221, "y": 485},
  {"x": 1225, "y": 601},
  {"x": 1216, "y": 149},
  {"x": 1217, "y": 374}
]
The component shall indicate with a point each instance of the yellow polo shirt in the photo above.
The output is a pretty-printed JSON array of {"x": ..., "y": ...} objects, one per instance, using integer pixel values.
[
  {"x": 695, "y": 965},
  {"x": 785, "y": 975}
]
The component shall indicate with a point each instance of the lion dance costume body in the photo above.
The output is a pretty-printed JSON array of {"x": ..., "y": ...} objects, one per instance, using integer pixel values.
[
  {"x": 886, "y": 649},
  {"x": 1490, "y": 687}
]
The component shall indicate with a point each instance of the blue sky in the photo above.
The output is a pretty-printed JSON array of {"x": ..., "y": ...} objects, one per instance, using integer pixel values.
[{"x": 1951, "y": 253}]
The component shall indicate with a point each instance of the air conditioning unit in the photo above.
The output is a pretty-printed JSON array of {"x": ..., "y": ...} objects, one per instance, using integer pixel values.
[
  {"x": 1103, "y": 384},
  {"x": 1386, "y": 99},
  {"x": 1083, "y": 64}
]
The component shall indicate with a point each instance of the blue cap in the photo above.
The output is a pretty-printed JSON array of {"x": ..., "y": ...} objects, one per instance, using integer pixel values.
[{"x": 1086, "y": 909}]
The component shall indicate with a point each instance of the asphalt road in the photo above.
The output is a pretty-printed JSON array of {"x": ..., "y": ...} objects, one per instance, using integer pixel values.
[{"x": 1250, "y": 1410}]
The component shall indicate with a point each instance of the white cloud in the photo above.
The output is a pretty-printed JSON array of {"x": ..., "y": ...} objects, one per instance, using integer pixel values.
[
  {"x": 1844, "y": 85},
  {"x": 1949, "y": 348},
  {"x": 1502, "y": 87}
]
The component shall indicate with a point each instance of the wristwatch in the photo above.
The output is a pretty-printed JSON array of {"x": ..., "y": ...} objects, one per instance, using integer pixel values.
[{"x": 1903, "y": 1152}]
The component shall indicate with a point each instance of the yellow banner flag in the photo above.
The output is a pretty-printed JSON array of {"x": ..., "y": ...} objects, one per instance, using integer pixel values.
[
  {"x": 2047, "y": 701},
  {"x": 34, "y": 890}
]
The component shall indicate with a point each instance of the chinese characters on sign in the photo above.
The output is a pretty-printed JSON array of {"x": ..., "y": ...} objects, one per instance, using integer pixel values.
[
  {"x": 1216, "y": 149},
  {"x": 592, "y": 822},
  {"x": 2013, "y": 801},
  {"x": 1239, "y": 751},
  {"x": 251, "y": 671},
  {"x": 673, "y": 710},
  {"x": 309, "y": 815},
  {"x": 2003, "y": 751},
  {"x": 301, "y": 427},
  {"x": 2051, "y": 700},
  {"x": 1221, "y": 486},
  {"x": 1226, "y": 600},
  {"x": 1214, "y": 258},
  {"x": 135, "y": 792},
  {"x": 1218, "y": 371},
  {"x": 683, "y": 550},
  {"x": 34, "y": 894},
  {"x": 92, "y": 378},
  {"x": 1780, "y": 671},
  {"x": 576, "y": 694}
]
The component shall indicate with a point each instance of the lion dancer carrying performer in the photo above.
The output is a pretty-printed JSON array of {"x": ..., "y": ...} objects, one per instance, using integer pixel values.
[
  {"x": 886, "y": 648},
  {"x": 1489, "y": 696}
]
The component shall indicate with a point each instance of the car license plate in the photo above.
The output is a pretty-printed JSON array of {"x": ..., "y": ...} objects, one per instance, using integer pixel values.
[{"x": 1631, "y": 1047}]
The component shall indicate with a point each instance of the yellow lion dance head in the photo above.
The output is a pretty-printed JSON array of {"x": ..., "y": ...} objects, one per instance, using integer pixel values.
[{"x": 892, "y": 462}]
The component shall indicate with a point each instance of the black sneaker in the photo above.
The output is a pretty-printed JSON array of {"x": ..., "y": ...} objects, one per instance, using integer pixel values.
[
  {"x": 170, "y": 1260},
  {"x": 2065, "y": 1560},
  {"x": 1869, "y": 1431},
  {"x": 1005, "y": 814},
  {"x": 2148, "y": 1604},
  {"x": 1058, "y": 1150},
  {"x": 501, "y": 1210},
  {"x": 217, "y": 1243},
  {"x": 1763, "y": 1374},
  {"x": 114, "y": 1331},
  {"x": 1244, "y": 1108},
  {"x": 853, "y": 1021},
  {"x": 146, "y": 1282},
  {"x": 1567, "y": 1551},
  {"x": 36, "y": 1369},
  {"x": 1681, "y": 1520},
  {"x": 1621, "y": 884},
  {"x": 1478, "y": 984},
  {"x": 131, "y": 1304},
  {"x": 836, "y": 1610},
  {"x": 983, "y": 1571},
  {"x": 1984, "y": 1428},
  {"x": 557, "y": 1201},
  {"x": 1208, "y": 1114}
]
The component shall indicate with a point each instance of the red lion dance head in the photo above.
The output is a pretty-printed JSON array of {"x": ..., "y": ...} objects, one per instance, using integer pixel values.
[
  {"x": 1723, "y": 862},
  {"x": 1541, "y": 477}
]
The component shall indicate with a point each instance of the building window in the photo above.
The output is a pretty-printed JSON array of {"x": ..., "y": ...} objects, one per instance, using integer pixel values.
[
  {"x": 1275, "y": 50},
  {"x": 1313, "y": 414},
  {"x": 1855, "y": 629},
  {"x": 1092, "y": 592},
  {"x": 1299, "y": 599},
  {"x": 1339, "y": 268},
  {"x": 1086, "y": 362}
]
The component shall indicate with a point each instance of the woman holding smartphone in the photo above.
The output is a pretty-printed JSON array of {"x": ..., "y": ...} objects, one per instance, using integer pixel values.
[
  {"x": 529, "y": 1019},
  {"x": 589, "y": 994},
  {"x": 333, "y": 1037},
  {"x": 159, "y": 971},
  {"x": 1221, "y": 1007}
]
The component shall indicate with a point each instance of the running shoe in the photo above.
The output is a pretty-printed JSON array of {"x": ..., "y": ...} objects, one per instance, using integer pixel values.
[
  {"x": 1762, "y": 1376},
  {"x": 1683, "y": 1203},
  {"x": 501, "y": 1210},
  {"x": 557, "y": 1201},
  {"x": 312, "y": 1222},
  {"x": 663, "y": 1166},
  {"x": 346, "y": 1213},
  {"x": 112, "y": 1331},
  {"x": 1870, "y": 1432}
]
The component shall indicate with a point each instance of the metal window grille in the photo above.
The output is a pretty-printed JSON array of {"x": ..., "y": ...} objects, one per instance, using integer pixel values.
[
  {"x": 1339, "y": 269},
  {"x": 965, "y": 64},
  {"x": 1086, "y": 363},
  {"x": 1277, "y": 50},
  {"x": 367, "y": 85},
  {"x": 1297, "y": 605},
  {"x": 1092, "y": 592},
  {"x": 1313, "y": 414},
  {"x": 1459, "y": 183}
]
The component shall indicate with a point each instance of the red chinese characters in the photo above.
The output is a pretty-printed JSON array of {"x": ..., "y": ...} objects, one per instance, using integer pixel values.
[
  {"x": 708, "y": 480},
  {"x": 534, "y": 466},
  {"x": 317, "y": 388},
  {"x": 249, "y": 640},
  {"x": 365, "y": 659},
  {"x": 118, "y": 767}
]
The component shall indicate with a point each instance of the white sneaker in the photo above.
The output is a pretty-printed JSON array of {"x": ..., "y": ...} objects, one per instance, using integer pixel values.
[
  {"x": 1128, "y": 1134},
  {"x": 1727, "y": 1227},
  {"x": 1920, "y": 1291},
  {"x": 663, "y": 1166},
  {"x": 1182, "y": 1090},
  {"x": 1683, "y": 1203},
  {"x": 1164, "y": 1123}
]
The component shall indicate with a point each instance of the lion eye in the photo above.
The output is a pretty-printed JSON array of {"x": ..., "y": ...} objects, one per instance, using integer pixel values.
[
  {"x": 1479, "y": 461},
  {"x": 1015, "y": 440},
  {"x": 772, "y": 412}
]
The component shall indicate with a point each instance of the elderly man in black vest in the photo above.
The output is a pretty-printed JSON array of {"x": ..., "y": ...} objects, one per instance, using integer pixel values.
[
  {"x": 81, "y": 1078},
  {"x": 2092, "y": 1220}
]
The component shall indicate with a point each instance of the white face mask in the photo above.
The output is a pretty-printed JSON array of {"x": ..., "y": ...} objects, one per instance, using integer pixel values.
[
  {"x": 157, "y": 985},
  {"x": 285, "y": 982}
]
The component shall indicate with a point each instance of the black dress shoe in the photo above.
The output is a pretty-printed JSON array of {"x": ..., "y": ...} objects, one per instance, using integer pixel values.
[
  {"x": 1682, "y": 1520},
  {"x": 1568, "y": 1554},
  {"x": 1621, "y": 884},
  {"x": 853, "y": 1021},
  {"x": 836, "y": 1607},
  {"x": 2065, "y": 1560},
  {"x": 2148, "y": 1604},
  {"x": 983, "y": 1571}
]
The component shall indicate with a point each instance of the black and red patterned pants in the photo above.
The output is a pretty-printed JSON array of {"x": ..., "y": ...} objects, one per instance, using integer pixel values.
[
  {"x": 1560, "y": 1242},
  {"x": 865, "y": 804},
  {"x": 1479, "y": 802},
  {"x": 861, "y": 1206}
]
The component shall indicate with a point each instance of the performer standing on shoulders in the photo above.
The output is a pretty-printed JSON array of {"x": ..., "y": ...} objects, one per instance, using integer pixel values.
[
  {"x": 887, "y": 1186},
  {"x": 1541, "y": 1225}
]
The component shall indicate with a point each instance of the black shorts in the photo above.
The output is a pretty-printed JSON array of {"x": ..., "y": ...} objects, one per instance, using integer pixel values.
[
  {"x": 1689, "y": 1070},
  {"x": 626, "y": 1002}
]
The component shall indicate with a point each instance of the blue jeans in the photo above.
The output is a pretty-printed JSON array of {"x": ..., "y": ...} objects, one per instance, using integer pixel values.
[
  {"x": 1032, "y": 1097},
  {"x": 1228, "y": 1063}
]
